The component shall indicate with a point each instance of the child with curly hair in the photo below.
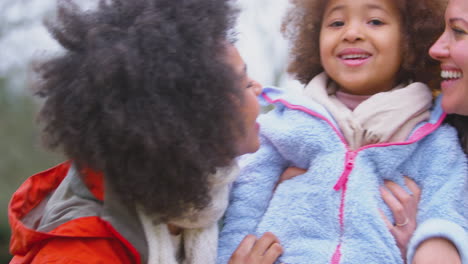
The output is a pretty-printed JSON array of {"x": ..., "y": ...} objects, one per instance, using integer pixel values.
[
  {"x": 365, "y": 116},
  {"x": 151, "y": 103}
]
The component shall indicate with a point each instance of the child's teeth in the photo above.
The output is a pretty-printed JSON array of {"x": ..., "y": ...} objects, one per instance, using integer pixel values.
[{"x": 355, "y": 56}]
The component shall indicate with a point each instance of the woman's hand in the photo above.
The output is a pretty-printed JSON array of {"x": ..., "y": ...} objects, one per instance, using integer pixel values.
[
  {"x": 257, "y": 251},
  {"x": 436, "y": 251},
  {"x": 404, "y": 207}
]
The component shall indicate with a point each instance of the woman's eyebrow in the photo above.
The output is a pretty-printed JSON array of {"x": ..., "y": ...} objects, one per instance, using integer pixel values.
[{"x": 458, "y": 19}]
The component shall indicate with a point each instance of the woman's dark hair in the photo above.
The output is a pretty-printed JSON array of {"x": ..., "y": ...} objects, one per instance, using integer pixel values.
[
  {"x": 143, "y": 93},
  {"x": 421, "y": 26},
  {"x": 461, "y": 124}
]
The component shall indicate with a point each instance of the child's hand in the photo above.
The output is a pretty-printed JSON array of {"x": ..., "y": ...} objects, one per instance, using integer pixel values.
[
  {"x": 290, "y": 173},
  {"x": 404, "y": 207},
  {"x": 436, "y": 251},
  {"x": 257, "y": 251}
]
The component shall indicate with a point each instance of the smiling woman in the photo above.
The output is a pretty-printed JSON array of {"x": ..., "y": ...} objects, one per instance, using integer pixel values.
[
  {"x": 451, "y": 49},
  {"x": 249, "y": 141},
  {"x": 151, "y": 104}
]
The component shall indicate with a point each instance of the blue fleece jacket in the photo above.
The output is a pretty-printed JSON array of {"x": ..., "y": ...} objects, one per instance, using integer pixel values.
[{"x": 330, "y": 214}]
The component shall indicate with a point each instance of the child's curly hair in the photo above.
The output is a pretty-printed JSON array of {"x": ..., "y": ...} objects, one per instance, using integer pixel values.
[
  {"x": 422, "y": 25},
  {"x": 143, "y": 92}
]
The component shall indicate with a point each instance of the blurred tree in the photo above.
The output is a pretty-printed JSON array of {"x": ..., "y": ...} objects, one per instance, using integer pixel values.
[{"x": 22, "y": 154}]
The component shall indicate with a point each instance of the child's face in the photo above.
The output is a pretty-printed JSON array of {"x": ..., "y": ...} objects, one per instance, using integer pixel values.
[
  {"x": 360, "y": 44},
  {"x": 451, "y": 49}
]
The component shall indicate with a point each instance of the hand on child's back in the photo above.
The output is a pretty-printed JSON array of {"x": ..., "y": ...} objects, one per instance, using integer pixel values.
[{"x": 251, "y": 250}]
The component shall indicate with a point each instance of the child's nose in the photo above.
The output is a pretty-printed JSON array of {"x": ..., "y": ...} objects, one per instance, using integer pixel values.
[{"x": 353, "y": 33}]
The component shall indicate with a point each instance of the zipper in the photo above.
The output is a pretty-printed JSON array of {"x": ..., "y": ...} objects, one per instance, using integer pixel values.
[
  {"x": 349, "y": 165},
  {"x": 341, "y": 184}
]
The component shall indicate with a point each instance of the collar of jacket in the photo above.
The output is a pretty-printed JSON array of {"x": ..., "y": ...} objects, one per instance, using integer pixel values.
[{"x": 293, "y": 100}]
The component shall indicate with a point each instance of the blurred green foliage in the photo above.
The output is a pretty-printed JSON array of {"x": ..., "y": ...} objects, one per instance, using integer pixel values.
[{"x": 22, "y": 153}]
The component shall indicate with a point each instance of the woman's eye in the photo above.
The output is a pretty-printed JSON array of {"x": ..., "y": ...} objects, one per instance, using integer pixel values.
[
  {"x": 337, "y": 24},
  {"x": 458, "y": 31},
  {"x": 376, "y": 22}
]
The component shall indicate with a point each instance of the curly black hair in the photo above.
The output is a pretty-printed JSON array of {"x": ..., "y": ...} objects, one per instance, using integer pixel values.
[
  {"x": 421, "y": 27},
  {"x": 144, "y": 94}
]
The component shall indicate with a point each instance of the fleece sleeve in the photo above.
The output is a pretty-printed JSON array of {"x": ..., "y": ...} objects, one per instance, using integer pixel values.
[
  {"x": 250, "y": 197},
  {"x": 443, "y": 177},
  {"x": 444, "y": 229}
]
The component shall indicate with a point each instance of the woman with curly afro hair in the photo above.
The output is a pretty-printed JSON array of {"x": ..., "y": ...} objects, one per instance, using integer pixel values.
[
  {"x": 367, "y": 116},
  {"x": 151, "y": 103}
]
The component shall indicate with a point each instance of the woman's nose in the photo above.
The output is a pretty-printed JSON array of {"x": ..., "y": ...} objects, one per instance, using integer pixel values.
[{"x": 439, "y": 49}]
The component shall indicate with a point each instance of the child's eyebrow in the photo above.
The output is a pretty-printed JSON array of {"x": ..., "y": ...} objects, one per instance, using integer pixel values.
[
  {"x": 334, "y": 9},
  {"x": 367, "y": 6},
  {"x": 377, "y": 7}
]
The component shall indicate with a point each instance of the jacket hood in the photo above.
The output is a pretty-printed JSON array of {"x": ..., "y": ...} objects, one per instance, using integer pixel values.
[{"x": 33, "y": 219}]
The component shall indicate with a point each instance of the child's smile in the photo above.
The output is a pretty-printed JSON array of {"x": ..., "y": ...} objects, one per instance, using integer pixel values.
[
  {"x": 360, "y": 44},
  {"x": 354, "y": 57}
]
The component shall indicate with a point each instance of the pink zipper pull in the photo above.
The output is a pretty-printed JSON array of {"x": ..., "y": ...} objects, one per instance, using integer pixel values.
[{"x": 349, "y": 165}]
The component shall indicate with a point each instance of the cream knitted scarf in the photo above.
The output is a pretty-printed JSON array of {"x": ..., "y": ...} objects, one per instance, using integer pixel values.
[
  {"x": 384, "y": 117},
  {"x": 200, "y": 227}
]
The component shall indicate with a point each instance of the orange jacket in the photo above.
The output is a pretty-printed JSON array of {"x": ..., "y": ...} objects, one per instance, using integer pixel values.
[{"x": 83, "y": 239}]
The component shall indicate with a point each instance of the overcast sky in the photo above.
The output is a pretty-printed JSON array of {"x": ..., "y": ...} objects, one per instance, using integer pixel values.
[{"x": 260, "y": 42}]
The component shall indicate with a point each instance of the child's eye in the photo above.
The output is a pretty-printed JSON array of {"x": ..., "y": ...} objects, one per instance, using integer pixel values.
[
  {"x": 376, "y": 22},
  {"x": 250, "y": 84},
  {"x": 336, "y": 24}
]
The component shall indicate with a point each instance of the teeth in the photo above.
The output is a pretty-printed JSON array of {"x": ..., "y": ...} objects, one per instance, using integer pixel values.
[
  {"x": 355, "y": 56},
  {"x": 451, "y": 74}
]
